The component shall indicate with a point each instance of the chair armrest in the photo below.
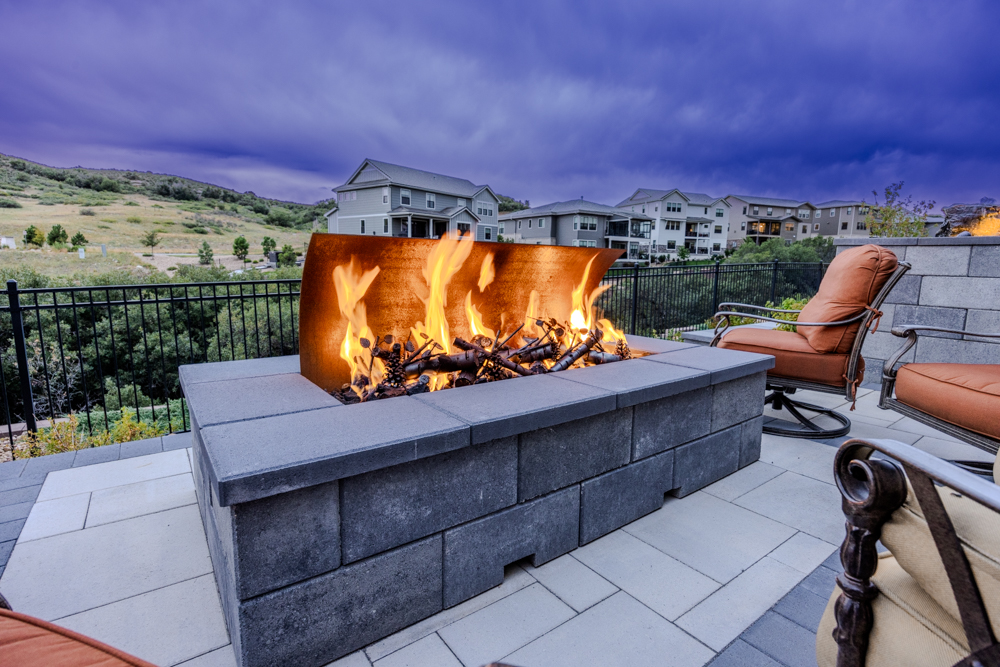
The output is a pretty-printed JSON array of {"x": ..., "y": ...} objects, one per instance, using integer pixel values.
[
  {"x": 910, "y": 333},
  {"x": 727, "y": 313},
  {"x": 907, "y": 329},
  {"x": 764, "y": 308}
]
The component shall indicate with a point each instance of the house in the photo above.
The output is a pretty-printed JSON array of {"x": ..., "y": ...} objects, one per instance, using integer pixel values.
[
  {"x": 580, "y": 223},
  {"x": 383, "y": 199},
  {"x": 691, "y": 220},
  {"x": 759, "y": 219},
  {"x": 838, "y": 218}
]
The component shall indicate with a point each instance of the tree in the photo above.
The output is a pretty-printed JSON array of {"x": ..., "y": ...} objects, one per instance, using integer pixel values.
[
  {"x": 268, "y": 245},
  {"x": 205, "y": 253},
  {"x": 241, "y": 249},
  {"x": 287, "y": 256},
  {"x": 79, "y": 239},
  {"x": 151, "y": 239},
  {"x": 898, "y": 216},
  {"x": 34, "y": 236},
  {"x": 57, "y": 235},
  {"x": 683, "y": 253},
  {"x": 816, "y": 249}
]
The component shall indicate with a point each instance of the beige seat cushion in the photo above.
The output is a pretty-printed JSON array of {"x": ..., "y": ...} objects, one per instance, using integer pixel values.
[
  {"x": 910, "y": 627},
  {"x": 793, "y": 356},
  {"x": 967, "y": 395},
  {"x": 852, "y": 281}
]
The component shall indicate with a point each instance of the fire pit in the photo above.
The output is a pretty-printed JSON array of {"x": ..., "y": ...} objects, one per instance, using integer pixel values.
[{"x": 332, "y": 524}]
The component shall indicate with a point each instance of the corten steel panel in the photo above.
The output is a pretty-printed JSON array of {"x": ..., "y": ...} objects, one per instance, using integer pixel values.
[{"x": 394, "y": 299}]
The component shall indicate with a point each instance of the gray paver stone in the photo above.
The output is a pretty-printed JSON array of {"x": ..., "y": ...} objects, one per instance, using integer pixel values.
[
  {"x": 389, "y": 507},
  {"x": 709, "y": 459},
  {"x": 287, "y": 538},
  {"x": 639, "y": 380},
  {"x": 787, "y": 642},
  {"x": 668, "y": 422},
  {"x": 802, "y": 606},
  {"x": 943, "y": 350},
  {"x": 176, "y": 441},
  {"x": 324, "y": 618},
  {"x": 621, "y": 496},
  {"x": 475, "y": 554},
  {"x": 238, "y": 399},
  {"x": 907, "y": 290},
  {"x": 939, "y": 261},
  {"x": 21, "y": 482},
  {"x": 750, "y": 439},
  {"x": 724, "y": 364},
  {"x": 44, "y": 464},
  {"x": 11, "y": 469},
  {"x": 741, "y": 654},
  {"x": 985, "y": 261},
  {"x": 655, "y": 345},
  {"x": 86, "y": 457},
  {"x": 5, "y": 549},
  {"x": 821, "y": 581},
  {"x": 9, "y": 530},
  {"x": 141, "y": 448},
  {"x": 948, "y": 318},
  {"x": 737, "y": 400},
  {"x": 555, "y": 457},
  {"x": 25, "y": 494},
  {"x": 243, "y": 368},
  {"x": 15, "y": 511}
]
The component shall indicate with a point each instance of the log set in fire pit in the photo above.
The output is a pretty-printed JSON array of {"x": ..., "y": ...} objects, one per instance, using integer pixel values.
[{"x": 385, "y": 317}]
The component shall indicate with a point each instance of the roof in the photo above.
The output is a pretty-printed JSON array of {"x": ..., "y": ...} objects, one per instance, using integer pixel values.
[
  {"x": 415, "y": 178},
  {"x": 447, "y": 212},
  {"x": 698, "y": 220},
  {"x": 643, "y": 195},
  {"x": 839, "y": 202},
  {"x": 571, "y": 207},
  {"x": 771, "y": 201}
]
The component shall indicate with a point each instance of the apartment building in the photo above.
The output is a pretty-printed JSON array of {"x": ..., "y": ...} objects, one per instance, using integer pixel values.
[
  {"x": 838, "y": 218},
  {"x": 580, "y": 223},
  {"x": 691, "y": 220},
  {"x": 758, "y": 219},
  {"x": 382, "y": 199}
]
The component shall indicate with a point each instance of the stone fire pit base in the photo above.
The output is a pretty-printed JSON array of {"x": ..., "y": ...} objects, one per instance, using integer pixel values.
[{"x": 332, "y": 526}]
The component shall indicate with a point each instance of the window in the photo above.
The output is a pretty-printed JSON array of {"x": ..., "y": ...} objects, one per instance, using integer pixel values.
[
  {"x": 743, "y": 226},
  {"x": 656, "y": 208},
  {"x": 788, "y": 211},
  {"x": 585, "y": 243},
  {"x": 819, "y": 214},
  {"x": 770, "y": 211},
  {"x": 487, "y": 233},
  {"x": 362, "y": 226},
  {"x": 805, "y": 229},
  {"x": 460, "y": 203},
  {"x": 431, "y": 201},
  {"x": 529, "y": 223},
  {"x": 804, "y": 213},
  {"x": 718, "y": 229},
  {"x": 484, "y": 208},
  {"x": 756, "y": 210},
  {"x": 702, "y": 250},
  {"x": 503, "y": 228},
  {"x": 519, "y": 223},
  {"x": 385, "y": 195},
  {"x": 716, "y": 247},
  {"x": 706, "y": 210},
  {"x": 671, "y": 245},
  {"x": 719, "y": 213},
  {"x": 347, "y": 196},
  {"x": 833, "y": 212},
  {"x": 404, "y": 197},
  {"x": 744, "y": 210},
  {"x": 816, "y": 227},
  {"x": 385, "y": 225},
  {"x": 862, "y": 225},
  {"x": 541, "y": 223},
  {"x": 789, "y": 227},
  {"x": 672, "y": 224},
  {"x": 588, "y": 223},
  {"x": 843, "y": 225},
  {"x": 862, "y": 210},
  {"x": 672, "y": 207},
  {"x": 576, "y": 222},
  {"x": 643, "y": 209},
  {"x": 463, "y": 228},
  {"x": 849, "y": 210}
]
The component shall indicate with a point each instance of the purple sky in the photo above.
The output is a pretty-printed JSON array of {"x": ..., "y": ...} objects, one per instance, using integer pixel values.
[{"x": 542, "y": 100}]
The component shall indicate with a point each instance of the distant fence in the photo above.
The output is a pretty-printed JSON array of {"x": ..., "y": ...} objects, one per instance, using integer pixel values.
[{"x": 93, "y": 350}]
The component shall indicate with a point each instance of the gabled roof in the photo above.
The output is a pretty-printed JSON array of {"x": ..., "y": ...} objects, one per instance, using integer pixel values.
[
  {"x": 573, "y": 206},
  {"x": 644, "y": 195},
  {"x": 771, "y": 201},
  {"x": 838, "y": 202},
  {"x": 447, "y": 212},
  {"x": 415, "y": 178}
]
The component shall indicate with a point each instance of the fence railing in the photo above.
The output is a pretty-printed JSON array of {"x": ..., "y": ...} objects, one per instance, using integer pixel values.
[{"x": 92, "y": 351}]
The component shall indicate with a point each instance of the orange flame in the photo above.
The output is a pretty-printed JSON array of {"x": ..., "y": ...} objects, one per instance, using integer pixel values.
[
  {"x": 475, "y": 318},
  {"x": 611, "y": 335},
  {"x": 486, "y": 273},
  {"x": 988, "y": 226},
  {"x": 351, "y": 285},
  {"x": 583, "y": 306}
]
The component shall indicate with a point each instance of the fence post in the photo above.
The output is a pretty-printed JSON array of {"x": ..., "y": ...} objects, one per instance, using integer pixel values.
[
  {"x": 715, "y": 288},
  {"x": 635, "y": 297},
  {"x": 21, "y": 353},
  {"x": 819, "y": 266},
  {"x": 774, "y": 280}
]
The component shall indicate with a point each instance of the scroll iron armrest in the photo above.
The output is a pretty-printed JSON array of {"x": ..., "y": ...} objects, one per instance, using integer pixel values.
[
  {"x": 723, "y": 324},
  {"x": 904, "y": 331},
  {"x": 764, "y": 308},
  {"x": 910, "y": 333}
]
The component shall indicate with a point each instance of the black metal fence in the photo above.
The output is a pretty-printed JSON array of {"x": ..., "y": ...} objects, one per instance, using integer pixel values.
[{"x": 92, "y": 351}]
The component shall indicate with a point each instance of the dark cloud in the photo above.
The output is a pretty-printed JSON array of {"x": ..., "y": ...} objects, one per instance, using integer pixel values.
[{"x": 543, "y": 100}]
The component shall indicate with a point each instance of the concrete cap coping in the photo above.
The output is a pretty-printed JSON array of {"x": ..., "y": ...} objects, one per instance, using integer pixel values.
[
  {"x": 242, "y": 368},
  {"x": 639, "y": 380},
  {"x": 724, "y": 364}
]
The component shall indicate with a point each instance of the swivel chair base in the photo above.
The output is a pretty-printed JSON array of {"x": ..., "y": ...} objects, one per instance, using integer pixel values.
[{"x": 779, "y": 400}]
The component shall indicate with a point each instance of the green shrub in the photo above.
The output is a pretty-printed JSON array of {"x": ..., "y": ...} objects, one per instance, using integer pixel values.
[
  {"x": 281, "y": 217},
  {"x": 79, "y": 239},
  {"x": 87, "y": 211},
  {"x": 131, "y": 203},
  {"x": 57, "y": 235},
  {"x": 34, "y": 236},
  {"x": 205, "y": 253},
  {"x": 287, "y": 256},
  {"x": 261, "y": 207},
  {"x": 9, "y": 203},
  {"x": 134, "y": 219}
]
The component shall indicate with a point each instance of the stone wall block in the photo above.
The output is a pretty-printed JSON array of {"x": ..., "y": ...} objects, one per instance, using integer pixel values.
[
  {"x": 621, "y": 496},
  {"x": 737, "y": 401},
  {"x": 906, "y": 291},
  {"x": 386, "y": 508},
  {"x": 555, "y": 457},
  {"x": 319, "y": 620},
  {"x": 984, "y": 321},
  {"x": 699, "y": 463},
  {"x": 938, "y": 260},
  {"x": 751, "y": 432},
  {"x": 475, "y": 554},
  {"x": 668, "y": 422},
  {"x": 985, "y": 262},
  {"x": 945, "y": 350},
  {"x": 962, "y": 292},
  {"x": 948, "y": 318}
]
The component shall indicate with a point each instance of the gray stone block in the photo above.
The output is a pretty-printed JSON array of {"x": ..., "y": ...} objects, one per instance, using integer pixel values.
[
  {"x": 669, "y": 422},
  {"x": 15, "y": 511},
  {"x": 783, "y": 640},
  {"x": 45, "y": 464},
  {"x": 319, "y": 620},
  {"x": 24, "y": 494},
  {"x": 737, "y": 401},
  {"x": 227, "y": 401},
  {"x": 983, "y": 321},
  {"x": 386, "y": 508},
  {"x": 262, "y": 457},
  {"x": 9, "y": 530},
  {"x": 638, "y": 380},
  {"x": 176, "y": 441},
  {"x": 959, "y": 240},
  {"x": 85, "y": 457},
  {"x": 141, "y": 448},
  {"x": 741, "y": 654},
  {"x": 985, "y": 261},
  {"x": 723, "y": 364},
  {"x": 948, "y": 260},
  {"x": 499, "y": 409},
  {"x": 948, "y": 318},
  {"x": 750, "y": 437},
  {"x": 475, "y": 554},
  {"x": 882, "y": 345},
  {"x": 699, "y": 463},
  {"x": 944, "y": 350},
  {"x": 959, "y": 292},
  {"x": 873, "y": 368},
  {"x": 11, "y": 469},
  {"x": 655, "y": 345},
  {"x": 555, "y": 457},
  {"x": 821, "y": 581},
  {"x": 285, "y": 539},
  {"x": 5, "y": 549},
  {"x": 243, "y": 368},
  {"x": 621, "y": 496},
  {"x": 21, "y": 482},
  {"x": 906, "y": 291},
  {"x": 803, "y": 607}
]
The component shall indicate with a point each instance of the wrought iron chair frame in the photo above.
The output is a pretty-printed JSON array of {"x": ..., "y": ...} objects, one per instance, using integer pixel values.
[
  {"x": 872, "y": 490},
  {"x": 782, "y": 386}
]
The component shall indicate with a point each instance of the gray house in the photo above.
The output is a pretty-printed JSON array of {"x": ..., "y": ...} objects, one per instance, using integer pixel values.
[
  {"x": 382, "y": 199},
  {"x": 580, "y": 223}
]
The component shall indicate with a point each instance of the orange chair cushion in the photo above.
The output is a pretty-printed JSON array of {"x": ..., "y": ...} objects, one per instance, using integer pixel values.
[
  {"x": 30, "y": 642},
  {"x": 852, "y": 281},
  {"x": 793, "y": 356},
  {"x": 966, "y": 395}
]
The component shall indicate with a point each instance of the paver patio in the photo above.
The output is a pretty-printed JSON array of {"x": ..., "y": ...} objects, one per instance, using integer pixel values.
[{"x": 735, "y": 574}]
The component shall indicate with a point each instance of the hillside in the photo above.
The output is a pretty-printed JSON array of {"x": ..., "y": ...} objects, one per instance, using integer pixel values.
[{"x": 117, "y": 208}]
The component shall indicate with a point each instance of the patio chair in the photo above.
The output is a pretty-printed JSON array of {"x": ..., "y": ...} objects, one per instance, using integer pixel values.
[
  {"x": 26, "y": 641},
  {"x": 931, "y": 600},
  {"x": 961, "y": 400},
  {"x": 824, "y": 352}
]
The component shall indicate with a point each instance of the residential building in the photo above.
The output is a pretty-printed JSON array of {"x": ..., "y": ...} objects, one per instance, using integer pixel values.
[
  {"x": 382, "y": 199},
  {"x": 838, "y": 218},
  {"x": 689, "y": 220},
  {"x": 760, "y": 219},
  {"x": 580, "y": 223}
]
